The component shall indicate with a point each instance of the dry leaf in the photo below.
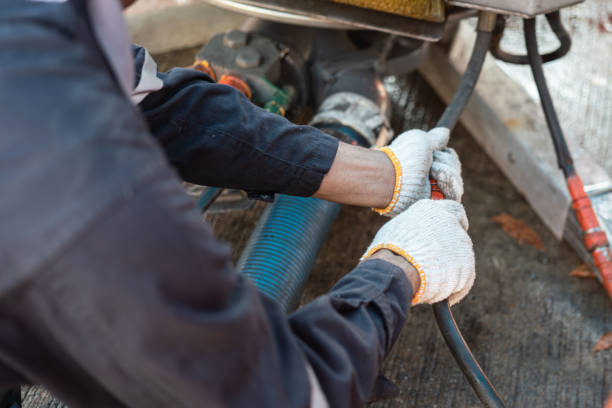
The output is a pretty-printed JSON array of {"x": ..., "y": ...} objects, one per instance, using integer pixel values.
[
  {"x": 519, "y": 230},
  {"x": 583, "y": 271},
  {"x": 604, "y": 343}
]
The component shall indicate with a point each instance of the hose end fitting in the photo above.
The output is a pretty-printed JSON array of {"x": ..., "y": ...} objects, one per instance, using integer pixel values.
[
  {"x": 487, "y": 21},
  {"x": 360, "y": 114}
]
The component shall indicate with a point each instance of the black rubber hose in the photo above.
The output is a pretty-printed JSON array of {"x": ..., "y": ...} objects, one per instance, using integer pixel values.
[
  {"x": 454, "y": 109},
  {"x": 535, "y": 61},
  {"x": 554, "y": 20},
  {"x": 446, "y": 322},
  {"x": 464, "y": 357}
]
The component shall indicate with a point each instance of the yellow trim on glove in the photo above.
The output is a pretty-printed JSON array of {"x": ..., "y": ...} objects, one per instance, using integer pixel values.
[
  {"x": 398, "y": 181},
  {"x": 399, "y": 251}
]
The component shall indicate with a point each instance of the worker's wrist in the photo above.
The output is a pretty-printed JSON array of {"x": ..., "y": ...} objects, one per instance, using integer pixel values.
[
  {"x": 392, "y": 178},
  {"x": 411, "y": 273}
]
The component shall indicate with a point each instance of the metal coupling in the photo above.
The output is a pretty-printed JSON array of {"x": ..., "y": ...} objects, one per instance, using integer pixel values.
[
  {"x": 357, "y": 112},
  {"x": 486, "y": 21}
]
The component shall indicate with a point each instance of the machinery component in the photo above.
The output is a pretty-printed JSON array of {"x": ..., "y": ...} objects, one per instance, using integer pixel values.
[
  {"x": 328, "y": 14},
  {"x": 249, "y": 62},
  {"x": 237, "y": 83},
  {"x": 219, "y": 200},
  {"x": 280, "y": 101},
  {"x": 430, "y": 10},
  {"x": 345, "y": 60},
  {"x": 524, "y": 8},
  {"x": 204, "y": 66},
  {"x": 208, "y": 197},
  {"x": 348, "y": 109},
  {"x": 595, "y": 239},
  {"x": 554, "y": 20}
]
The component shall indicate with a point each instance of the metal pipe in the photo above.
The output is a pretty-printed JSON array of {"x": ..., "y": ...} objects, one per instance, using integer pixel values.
[
  {"x": 208, "y": 197},
  {"x": 554, "y": 20}
]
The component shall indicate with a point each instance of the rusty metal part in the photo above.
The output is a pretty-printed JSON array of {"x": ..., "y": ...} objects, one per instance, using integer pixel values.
[
  {"x": 430, "y": 10},
  {"x": 325, "y": 13}
]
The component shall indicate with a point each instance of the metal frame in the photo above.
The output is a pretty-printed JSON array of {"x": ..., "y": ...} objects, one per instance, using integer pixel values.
[
  {"x": 523, "y": 8},
  {"x": 321, "y": 13}
]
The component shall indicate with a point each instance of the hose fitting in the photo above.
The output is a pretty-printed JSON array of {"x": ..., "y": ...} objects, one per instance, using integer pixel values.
[{"x": 358, "y": 113}]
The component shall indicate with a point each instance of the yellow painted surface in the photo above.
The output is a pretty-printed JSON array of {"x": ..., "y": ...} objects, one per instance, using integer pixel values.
[{"x": 431, "y": 10}]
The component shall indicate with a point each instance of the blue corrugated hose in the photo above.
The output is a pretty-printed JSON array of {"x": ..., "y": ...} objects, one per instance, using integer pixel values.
[{"x": 283, "y": 248}]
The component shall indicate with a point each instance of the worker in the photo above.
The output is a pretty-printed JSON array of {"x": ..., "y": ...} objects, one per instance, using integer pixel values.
[{"x": 114, "y": 293}]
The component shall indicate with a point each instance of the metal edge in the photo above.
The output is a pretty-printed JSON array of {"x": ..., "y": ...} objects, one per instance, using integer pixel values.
[
  {"x": 333, "y": 14},
  {"x": 497, "y": 10},
  {"x": 276, "y": 15}
]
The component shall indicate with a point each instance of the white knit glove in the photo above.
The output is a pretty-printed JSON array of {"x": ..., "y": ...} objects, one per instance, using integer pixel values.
[
  {"x": 416, "y": 155},
  {"x": 432, "y": 236}
]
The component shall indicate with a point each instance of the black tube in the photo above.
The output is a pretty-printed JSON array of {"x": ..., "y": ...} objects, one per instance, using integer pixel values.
[
  {"x": 464, "y": 357},
  {"x": 554, "y": 20},
  {"x": 535, "y": 61},
  {"x": 446, "y": 322},
  {"x": 468, "y": 81}
]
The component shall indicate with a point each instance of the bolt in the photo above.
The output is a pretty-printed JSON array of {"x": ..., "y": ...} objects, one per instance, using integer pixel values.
[
  {"x": 248, "y": 58},
  {"x": 235, "y": 39}
]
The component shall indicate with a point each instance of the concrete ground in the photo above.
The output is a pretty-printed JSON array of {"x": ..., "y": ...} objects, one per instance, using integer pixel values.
[{"x": 531, "y": 326}]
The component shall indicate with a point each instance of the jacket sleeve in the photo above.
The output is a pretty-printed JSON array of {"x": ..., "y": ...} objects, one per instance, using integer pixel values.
[
  {"x": 346, "y": 334},
  {"x": 213, "y": 135}
]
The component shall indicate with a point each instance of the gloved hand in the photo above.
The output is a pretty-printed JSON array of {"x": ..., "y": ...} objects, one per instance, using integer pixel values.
[
  {"x": 416, "y": 155},
  {"x": 432, "y": 236}
]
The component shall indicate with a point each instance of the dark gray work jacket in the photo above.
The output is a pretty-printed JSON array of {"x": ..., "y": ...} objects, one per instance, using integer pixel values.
[{"x": 72, "y": 144}]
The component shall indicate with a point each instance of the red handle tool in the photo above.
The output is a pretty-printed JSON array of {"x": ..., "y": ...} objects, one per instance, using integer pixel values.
[{"x": 436, "y": 193}]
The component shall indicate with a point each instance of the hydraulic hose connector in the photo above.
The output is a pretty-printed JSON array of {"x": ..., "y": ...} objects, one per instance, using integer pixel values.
[
  {"x": 595, "y": 239},
  {"x": 204, "y": 66},
  {"x": 237, "y": 83},
  {"x": 358, "y": 113}
]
